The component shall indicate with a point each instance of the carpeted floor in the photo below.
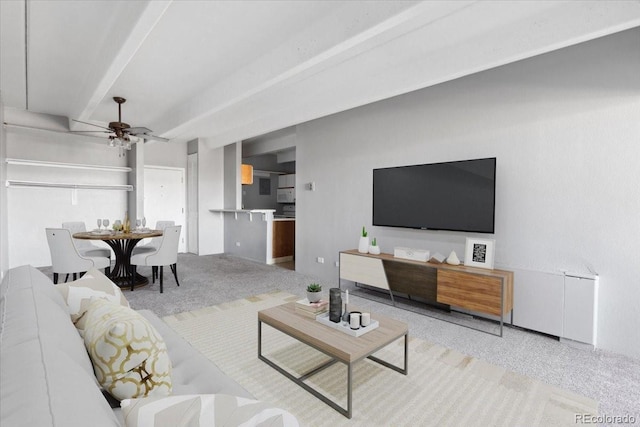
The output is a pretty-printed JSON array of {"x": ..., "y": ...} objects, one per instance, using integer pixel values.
[
  {"x": 443, "y": 388},
  {"x": 611, "y": 379}
]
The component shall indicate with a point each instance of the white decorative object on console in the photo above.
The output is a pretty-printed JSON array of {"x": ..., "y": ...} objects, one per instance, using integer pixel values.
[
  {"x": 412, "y": 254},
  {"x": 437, "y": 258},
  {"x": 453, "y": 259}
]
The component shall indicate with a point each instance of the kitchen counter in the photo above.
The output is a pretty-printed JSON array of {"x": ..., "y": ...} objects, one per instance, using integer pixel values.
[{"x": 258, "y": 235}]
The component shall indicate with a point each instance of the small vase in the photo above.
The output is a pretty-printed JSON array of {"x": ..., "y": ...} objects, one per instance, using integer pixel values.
[
  {"x": 375, "y": 250},
  {"x": 335, "y": 305},
  {"x": 313, "y": 296},
  {"x": 363, "y": 246}
]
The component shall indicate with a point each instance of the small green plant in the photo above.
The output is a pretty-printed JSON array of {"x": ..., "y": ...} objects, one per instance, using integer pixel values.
[
  {"x": 314, "y": 287},
  {"x": 364, "y": 232},
  {"x": 374, "y": 242}
]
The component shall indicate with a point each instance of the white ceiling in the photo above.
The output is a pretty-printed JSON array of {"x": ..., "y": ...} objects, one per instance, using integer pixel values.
[{"x": 232, "y": 70}]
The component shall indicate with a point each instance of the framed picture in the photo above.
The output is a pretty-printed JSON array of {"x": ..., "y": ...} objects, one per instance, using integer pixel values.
[{"x": 479, "y": 253}]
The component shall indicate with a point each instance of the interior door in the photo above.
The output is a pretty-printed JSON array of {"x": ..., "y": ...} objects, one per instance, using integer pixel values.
[{"x": 164, "y": 198}]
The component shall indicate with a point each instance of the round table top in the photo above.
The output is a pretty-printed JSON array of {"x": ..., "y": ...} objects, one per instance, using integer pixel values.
[{"x": 117, "y": 235}]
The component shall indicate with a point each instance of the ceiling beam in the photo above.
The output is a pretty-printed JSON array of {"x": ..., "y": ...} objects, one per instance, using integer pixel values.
[
  {"x": 96, "y": 90},
  {"x": 220, "y": 98}
]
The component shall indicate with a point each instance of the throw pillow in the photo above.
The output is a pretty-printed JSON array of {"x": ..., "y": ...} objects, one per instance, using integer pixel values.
[
  {"x": 208, "y": 410},
  {"x": 129, "y": 356},
  {"x": 78, "y": 294}
]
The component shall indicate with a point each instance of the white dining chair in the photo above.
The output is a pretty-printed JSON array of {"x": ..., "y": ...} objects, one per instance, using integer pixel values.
[
  {"x": 65, "y": 257},
  {"x": 166, "y": 254},
  {"x": 85, "y": 247},
  {"x": 154, "y": 242}
]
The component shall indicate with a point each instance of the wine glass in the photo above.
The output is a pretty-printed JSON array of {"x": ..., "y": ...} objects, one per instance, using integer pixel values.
[
  {"x": 105, "y": 222},
  {"x": 144, "y": 222},
  {"x": 99, "y": 224},
  {"x": 138, "y": 222}
]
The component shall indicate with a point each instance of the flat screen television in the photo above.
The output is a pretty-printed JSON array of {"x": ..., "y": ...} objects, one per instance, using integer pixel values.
[{"x": 455, "y": 196}]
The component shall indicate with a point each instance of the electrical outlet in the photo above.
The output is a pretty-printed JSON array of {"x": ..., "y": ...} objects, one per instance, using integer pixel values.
[
  {"x": 237, "y": 243},
  {"x": 320, "y": 260},
  {"x": 337, "y": 263}
]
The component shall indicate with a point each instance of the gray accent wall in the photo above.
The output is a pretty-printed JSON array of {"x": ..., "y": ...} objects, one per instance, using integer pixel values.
[{"x": 565, "y": 128}]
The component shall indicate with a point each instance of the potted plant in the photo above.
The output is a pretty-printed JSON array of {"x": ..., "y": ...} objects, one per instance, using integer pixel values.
[
  {"x": 363, "y": 246},
  {"x": 374, "y": 248},
  {"x": 313, "y": 292}
]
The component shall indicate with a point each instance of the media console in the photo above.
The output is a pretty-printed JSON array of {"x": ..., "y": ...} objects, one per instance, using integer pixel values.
[{"x": 442, "y": 285}]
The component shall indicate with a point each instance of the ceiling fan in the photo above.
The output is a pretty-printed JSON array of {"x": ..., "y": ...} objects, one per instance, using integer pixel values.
[{"x": 121, "y": 131}]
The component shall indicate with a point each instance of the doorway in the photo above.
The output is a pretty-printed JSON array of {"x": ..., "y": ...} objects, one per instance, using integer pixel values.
[{"x": 164, "y": 198}]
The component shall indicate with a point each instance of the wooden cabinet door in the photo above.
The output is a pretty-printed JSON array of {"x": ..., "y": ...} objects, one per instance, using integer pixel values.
[{"x": 284, "y": 238}]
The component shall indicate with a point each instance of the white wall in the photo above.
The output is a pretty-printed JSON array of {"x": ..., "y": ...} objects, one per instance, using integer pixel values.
[
  {"x": 4, "y": 243},
  {"x": 31, "y": 210},
  {"x": 169, "y": 154},
  {"x": 210, "y": 196},
  {"x": 565, "y": 129}
]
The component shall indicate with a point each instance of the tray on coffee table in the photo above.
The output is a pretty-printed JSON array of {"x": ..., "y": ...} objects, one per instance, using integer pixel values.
[{"x": 344, "y": 326}]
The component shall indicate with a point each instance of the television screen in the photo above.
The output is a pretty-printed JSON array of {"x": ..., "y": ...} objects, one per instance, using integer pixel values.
[{"x": 456, "y": 196}]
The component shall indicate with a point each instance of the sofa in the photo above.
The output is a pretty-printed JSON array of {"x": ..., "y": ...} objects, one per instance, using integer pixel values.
[{"x": 46, "y": 374}]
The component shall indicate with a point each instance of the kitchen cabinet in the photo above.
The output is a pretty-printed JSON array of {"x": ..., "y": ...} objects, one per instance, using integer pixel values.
[
  {"x": 284, "y": 240},
  {"x": 287, "y": 181}
]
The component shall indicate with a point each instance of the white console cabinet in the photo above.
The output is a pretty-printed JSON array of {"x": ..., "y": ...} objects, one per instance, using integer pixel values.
[
  {"x": 563, "y": 305},
  {"x": 580, "y": 321}
]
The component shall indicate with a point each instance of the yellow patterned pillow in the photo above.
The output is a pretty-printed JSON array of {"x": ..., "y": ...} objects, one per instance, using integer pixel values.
[{"x": 129, "y": 356}]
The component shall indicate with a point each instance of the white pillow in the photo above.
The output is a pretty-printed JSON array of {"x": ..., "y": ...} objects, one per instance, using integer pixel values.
[
  {"x": 78, "y": 294},
  {"x": 208, "y": 410},
  {"x": 129, "y": 356}
]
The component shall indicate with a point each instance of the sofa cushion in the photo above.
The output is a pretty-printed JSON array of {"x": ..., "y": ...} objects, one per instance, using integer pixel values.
[
  {"x": 208, "y": 410},
  {"x": 78, "y": 294},
  {"x": 46, "y": 377},
  {"x": 129, "y": 356}
]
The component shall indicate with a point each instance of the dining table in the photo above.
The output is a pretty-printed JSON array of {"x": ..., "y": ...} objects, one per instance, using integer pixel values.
[{"x": 122, "y": 244}]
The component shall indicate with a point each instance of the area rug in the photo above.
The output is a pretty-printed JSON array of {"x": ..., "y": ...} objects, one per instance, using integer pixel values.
[{"x": 443, "y": 388}]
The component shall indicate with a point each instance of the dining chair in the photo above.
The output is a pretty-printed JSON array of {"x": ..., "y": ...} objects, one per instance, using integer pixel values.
[
  {"x": 166, "y": 254},
  {"x": 65, "y": 257},
  {"x": 85, "y": 247},
  {"x": 154, "y": 242}
]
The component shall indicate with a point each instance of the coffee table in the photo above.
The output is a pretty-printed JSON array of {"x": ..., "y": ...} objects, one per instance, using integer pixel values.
[{"x": 339, "y": 346}]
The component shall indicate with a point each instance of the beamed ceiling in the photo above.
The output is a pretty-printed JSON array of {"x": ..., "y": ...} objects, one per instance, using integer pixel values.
[{"x": 231, "y": 70}]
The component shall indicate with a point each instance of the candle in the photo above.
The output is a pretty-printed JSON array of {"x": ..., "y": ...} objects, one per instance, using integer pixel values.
[
  {"x": 365, "y": 320},
  {"x": 346, "y": 300},
  {"x": 354, "y": 320}
]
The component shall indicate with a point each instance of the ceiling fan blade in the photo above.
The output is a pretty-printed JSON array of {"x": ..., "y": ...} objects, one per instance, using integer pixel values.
[
  {"x": 90, "y": 131},
  {"x": 139, "y": 130},
  {"x": 92, "y": 124},
  {"x": 145, "y": 133}
]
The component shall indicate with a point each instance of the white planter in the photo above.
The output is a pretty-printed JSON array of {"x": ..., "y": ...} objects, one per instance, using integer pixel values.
[
  {"x": 375, "y": 250},
  {"x": 363, "y": 246},
  {"x": 314, "y": 296}
]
